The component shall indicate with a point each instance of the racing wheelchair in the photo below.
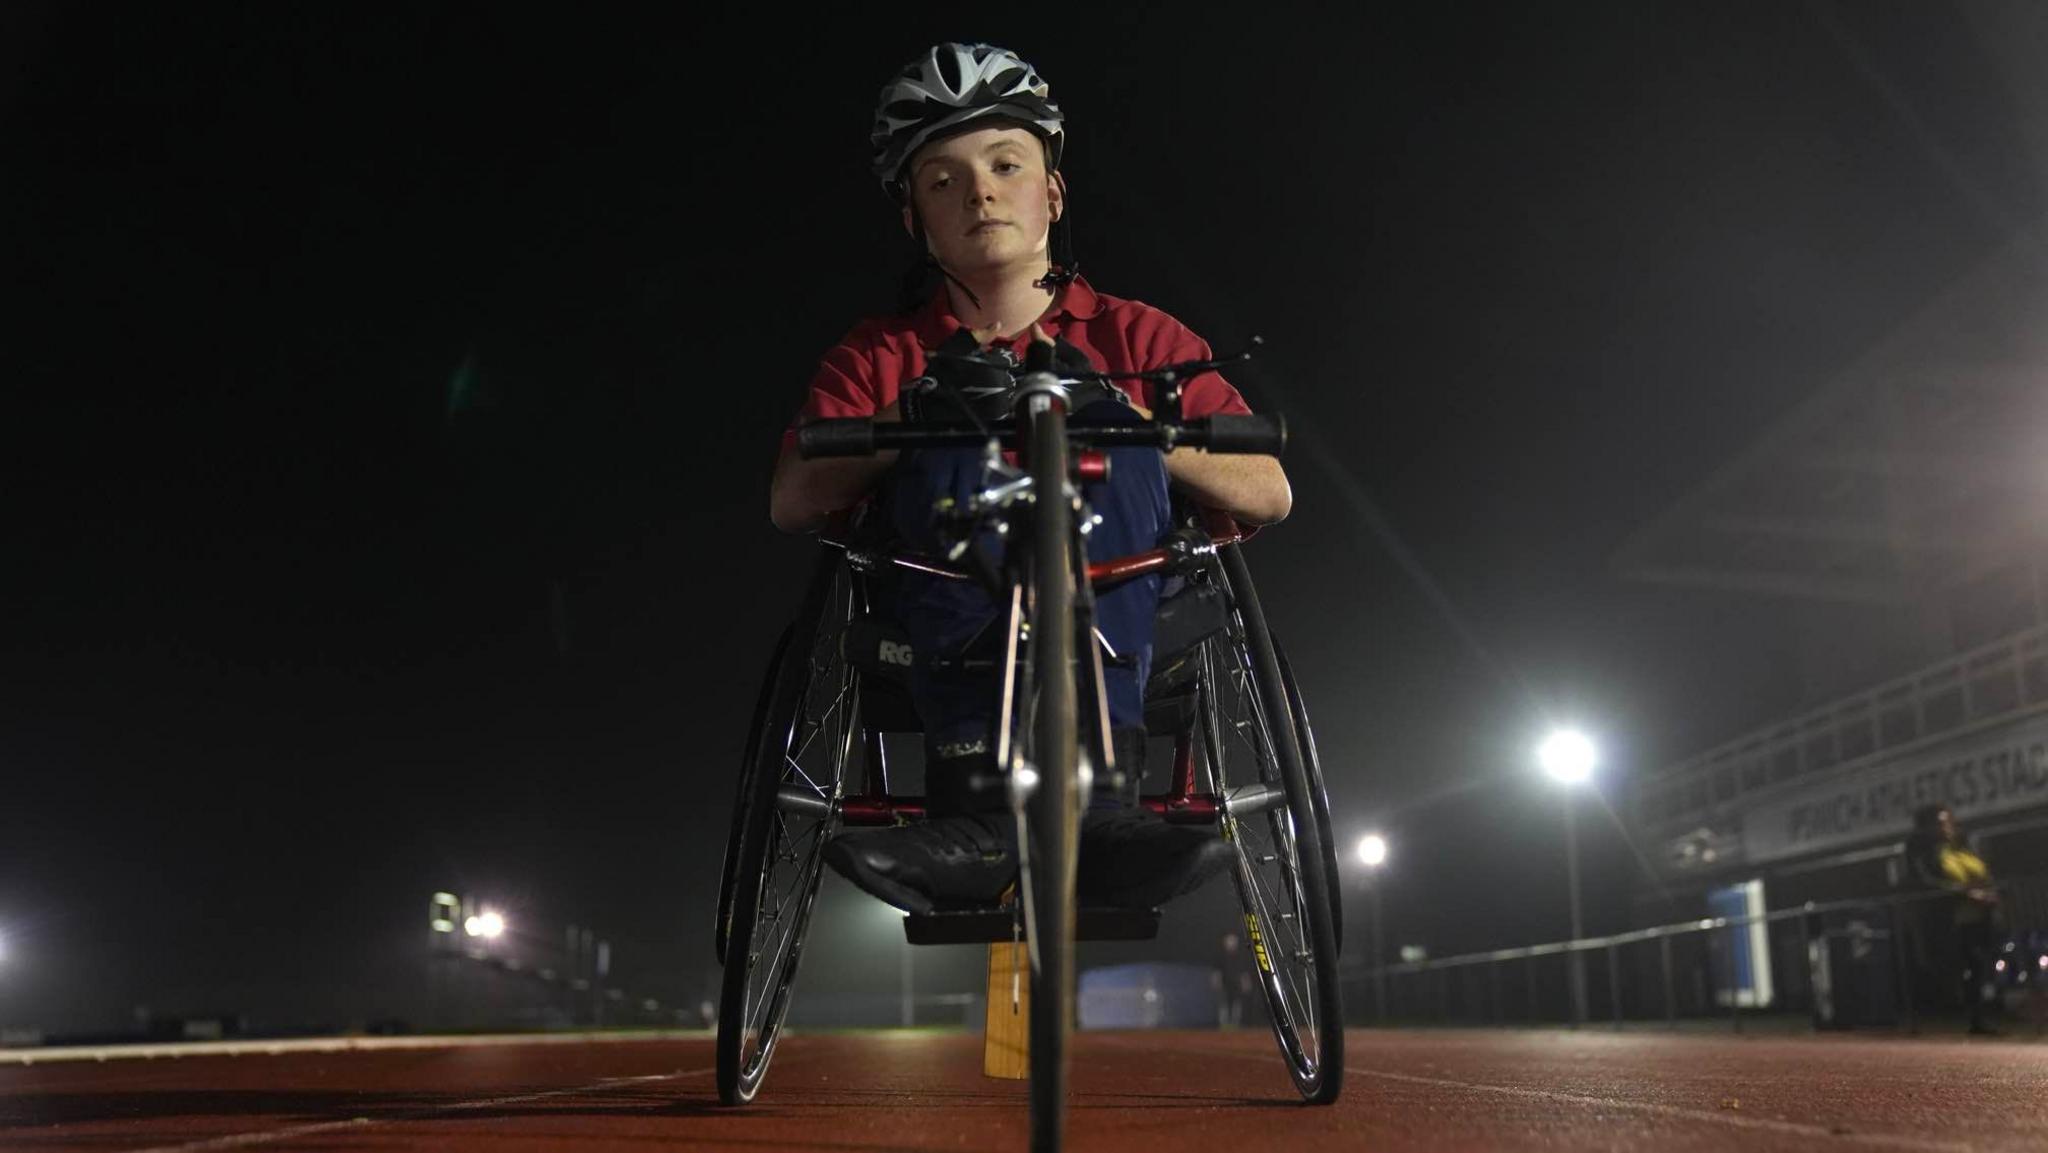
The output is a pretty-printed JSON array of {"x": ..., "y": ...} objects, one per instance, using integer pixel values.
[{"x": 1221, "y": 690}]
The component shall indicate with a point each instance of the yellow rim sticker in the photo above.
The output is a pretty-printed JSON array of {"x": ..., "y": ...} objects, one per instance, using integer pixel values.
[{"x": 1251, "y": 929}]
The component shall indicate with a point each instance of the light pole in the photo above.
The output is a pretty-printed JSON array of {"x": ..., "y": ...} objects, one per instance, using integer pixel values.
[
  {"x": 891, "y": 922},
  {"x": 909, "y": 973},
  {"x": 1372, "y": 853},
  {"x": 1569, "y": 757}
]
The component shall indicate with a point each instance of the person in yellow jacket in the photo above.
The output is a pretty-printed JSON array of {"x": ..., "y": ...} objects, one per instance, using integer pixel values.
[{"x": 1943, "y": 860}]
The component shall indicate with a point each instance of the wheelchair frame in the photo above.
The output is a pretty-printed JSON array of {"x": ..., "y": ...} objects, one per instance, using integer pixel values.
[{"x": 750, "y": 1021}]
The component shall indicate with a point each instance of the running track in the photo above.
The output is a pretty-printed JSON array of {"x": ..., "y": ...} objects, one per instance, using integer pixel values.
[{"x": 872, "y": 1092}]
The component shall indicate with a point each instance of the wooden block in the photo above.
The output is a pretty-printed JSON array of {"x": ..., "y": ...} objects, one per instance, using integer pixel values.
[{"x": 1006, "y": 1034}]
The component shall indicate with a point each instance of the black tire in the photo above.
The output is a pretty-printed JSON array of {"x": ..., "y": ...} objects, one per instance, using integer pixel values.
[
  {"x": 744, "y": 788},
  {"x": 1254, "y": 756},
  {"x": 791, "y": 810},
  {"x": 1054, "y": 813},
  {"x": 1319, "y": 792}
]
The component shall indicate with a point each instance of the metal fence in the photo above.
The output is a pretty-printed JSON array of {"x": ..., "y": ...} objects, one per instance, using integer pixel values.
[
  {"x": 1990, "y": 685},
  {"x": 1865, "y": 962}
]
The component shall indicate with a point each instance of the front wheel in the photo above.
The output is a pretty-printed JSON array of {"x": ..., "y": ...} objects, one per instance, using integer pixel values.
[{"x": 1050, "y": 844}]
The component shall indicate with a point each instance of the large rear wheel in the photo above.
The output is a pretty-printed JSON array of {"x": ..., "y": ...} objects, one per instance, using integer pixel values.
[
  {"x": 795, "y": 783},
  {"x": 1252, "y": 751},
  {"x": 742, "y": 808}
]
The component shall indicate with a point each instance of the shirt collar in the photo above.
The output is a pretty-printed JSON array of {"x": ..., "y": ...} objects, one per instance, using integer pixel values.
[{"x": 936, "y": 322}]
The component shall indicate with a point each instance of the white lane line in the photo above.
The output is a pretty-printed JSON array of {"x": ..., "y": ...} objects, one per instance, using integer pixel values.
[
  {"x": 1765, "y": 1124},
  {"x": 1735, "y": 1120},
  {"x": 268, "y": 1136},
  {"x": 328, "y": 1045},
  {"x": 264, "y": 1137}
]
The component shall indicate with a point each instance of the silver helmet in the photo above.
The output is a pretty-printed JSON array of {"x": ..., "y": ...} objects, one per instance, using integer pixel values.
[{"x": 945, "y": 90}]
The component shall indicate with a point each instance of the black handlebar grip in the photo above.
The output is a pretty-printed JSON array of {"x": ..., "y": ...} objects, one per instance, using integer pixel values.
[
  {"x": 847, "y": 436},
  {"x": 1261, "y": 435},
  {"x": 1038, "y": 356}
]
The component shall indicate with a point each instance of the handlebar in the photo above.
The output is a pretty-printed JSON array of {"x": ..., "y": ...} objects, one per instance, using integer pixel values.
[{"x": 1224, "y": 432}]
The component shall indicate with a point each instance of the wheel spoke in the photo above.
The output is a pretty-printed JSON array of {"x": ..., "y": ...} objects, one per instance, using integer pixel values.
[
  {"x": 817, "y": 723},
  {"x": 1271, "y": 883},
  {"x": 1262, "y": 911},
  {"x": 786, "y": 940}
]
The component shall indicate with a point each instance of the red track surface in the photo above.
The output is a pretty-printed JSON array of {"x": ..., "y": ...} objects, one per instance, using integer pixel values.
[{"x": 1133, "y": 1091}]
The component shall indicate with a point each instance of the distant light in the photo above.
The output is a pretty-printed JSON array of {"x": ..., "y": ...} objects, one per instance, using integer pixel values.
[
  {"x": 1372, "y": 850},
  {"x": 490, "y": 925},
  {"x": 441, "y": 912},
  {"x": 1568, "y": 756},
  {"x": 2000, "y": 966},
  {"x": 2044, "y": 962},
  {"x": 1413, "y": 954},
  {"x": 473, "y": 925}
]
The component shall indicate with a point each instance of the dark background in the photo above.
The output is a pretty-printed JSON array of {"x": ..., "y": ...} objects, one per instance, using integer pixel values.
[{"x": 394, "y": 392}]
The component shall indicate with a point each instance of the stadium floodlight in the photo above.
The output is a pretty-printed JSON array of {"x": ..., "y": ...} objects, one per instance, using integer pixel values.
[
  {"x": 1372, "y": 853},
  {"x": 1568, "y": 756},
  {"x": 1372, "y": 850}
]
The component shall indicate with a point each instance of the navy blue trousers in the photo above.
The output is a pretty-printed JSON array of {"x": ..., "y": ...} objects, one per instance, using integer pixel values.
[{"x": 949, "y": 616}]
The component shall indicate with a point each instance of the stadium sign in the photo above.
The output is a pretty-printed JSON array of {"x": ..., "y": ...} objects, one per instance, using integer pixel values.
[{"x": 1978, "y": 776}]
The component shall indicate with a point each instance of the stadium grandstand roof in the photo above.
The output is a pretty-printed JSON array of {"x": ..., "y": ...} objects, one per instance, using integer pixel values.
[{"x": 1921, "y": 465}]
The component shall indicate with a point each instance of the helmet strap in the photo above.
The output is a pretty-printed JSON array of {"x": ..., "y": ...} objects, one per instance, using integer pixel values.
[
  {"x": 931, "y": 261},
  {"x": 1062, "y": 269}
]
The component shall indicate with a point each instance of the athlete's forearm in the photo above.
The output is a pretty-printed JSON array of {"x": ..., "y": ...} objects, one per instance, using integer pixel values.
[
  {"x": 805, "y": 492},
  {"x": 1253, "y": 489}
]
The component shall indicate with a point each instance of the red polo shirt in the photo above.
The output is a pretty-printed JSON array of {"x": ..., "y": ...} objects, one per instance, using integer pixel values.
[{"x": 861, "y": 374}]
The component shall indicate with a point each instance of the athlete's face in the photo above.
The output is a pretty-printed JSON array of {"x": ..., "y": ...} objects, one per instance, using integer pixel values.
[{"x": 986, "y": 200}]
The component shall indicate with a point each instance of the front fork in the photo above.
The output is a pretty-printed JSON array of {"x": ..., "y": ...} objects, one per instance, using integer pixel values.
[
  {"x": 1097, "y": 748},
  {"x": 1096, "y": 754}
]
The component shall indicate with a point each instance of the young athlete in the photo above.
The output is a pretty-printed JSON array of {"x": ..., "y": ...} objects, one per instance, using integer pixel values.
[{"x": 968, "y": 141}]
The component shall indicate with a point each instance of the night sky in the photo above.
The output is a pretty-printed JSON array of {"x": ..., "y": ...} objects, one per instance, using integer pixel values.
[{"x": 393, "y": 394}]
